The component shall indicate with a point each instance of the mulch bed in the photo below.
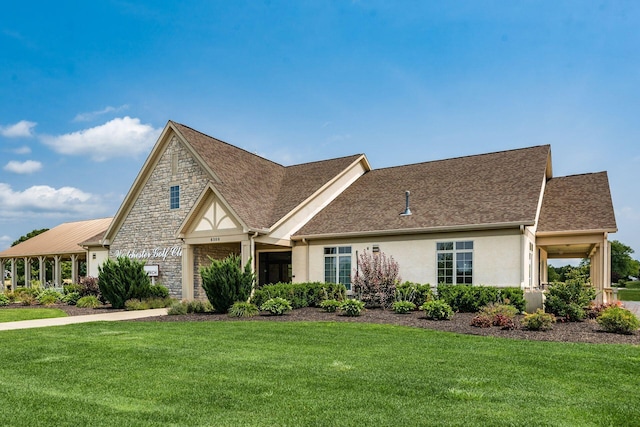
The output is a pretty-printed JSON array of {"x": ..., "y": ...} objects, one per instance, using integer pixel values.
[{"x": 585, "y": 332}]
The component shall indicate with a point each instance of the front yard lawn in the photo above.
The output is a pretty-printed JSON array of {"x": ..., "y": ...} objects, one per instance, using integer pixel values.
[
  {"x": 16, "y": 314},
  {"x": 307, "y": 374},
  {"x": 629, "y": 294}
]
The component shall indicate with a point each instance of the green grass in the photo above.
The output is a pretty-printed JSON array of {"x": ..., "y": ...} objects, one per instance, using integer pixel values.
[
  {"x": 15, "y": 314},
  {"x": 629, "y": 294},
  {"x": 307, "y": 374}
]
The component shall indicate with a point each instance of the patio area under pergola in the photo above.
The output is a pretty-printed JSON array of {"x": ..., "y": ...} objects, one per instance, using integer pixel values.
[{"x": 55, "y": 246}]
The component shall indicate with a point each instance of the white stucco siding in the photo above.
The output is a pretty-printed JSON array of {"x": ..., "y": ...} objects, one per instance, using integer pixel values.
[
  {"x": 101, "y": 255},
  {"x": 497, "y": 257}
]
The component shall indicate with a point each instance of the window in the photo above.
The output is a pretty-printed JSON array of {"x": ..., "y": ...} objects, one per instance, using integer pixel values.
[
  {"x": 174, "y": 197},
  {"x": 455, "y": 262},
  {"x": 337, "y": 265}
]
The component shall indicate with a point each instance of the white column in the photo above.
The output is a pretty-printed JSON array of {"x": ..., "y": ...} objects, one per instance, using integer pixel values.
[
  {"x": 14, "y": 274},
  {"x": 57, "y": 272},
  {"x": 187, "y": 272},
  {"x": 74, "y": 268},
  {"x": 42, "y": 270},
  {"x": 2, "y": 267},
  {"x": 27, "y": 272}
]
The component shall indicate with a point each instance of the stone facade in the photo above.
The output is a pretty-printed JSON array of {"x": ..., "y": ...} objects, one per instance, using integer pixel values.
[{"x": 148, "y": 232}]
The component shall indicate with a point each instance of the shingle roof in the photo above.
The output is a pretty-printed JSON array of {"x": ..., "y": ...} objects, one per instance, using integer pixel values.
[
  {"x": 61, "y": 240},
  {"x": 260, "y": 191},
  {"x": 502, "y": 187},
  {"x": 577, "y": 203}
]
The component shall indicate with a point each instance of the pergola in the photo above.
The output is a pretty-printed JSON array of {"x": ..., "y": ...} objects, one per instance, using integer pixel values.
[{"x": 61, "y": 243}]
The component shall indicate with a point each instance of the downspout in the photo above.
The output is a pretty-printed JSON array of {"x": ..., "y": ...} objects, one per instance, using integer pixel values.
[{"x": 304, "y": 240}]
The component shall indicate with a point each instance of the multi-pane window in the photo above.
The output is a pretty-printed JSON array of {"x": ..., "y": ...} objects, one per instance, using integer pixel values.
[
  {"x": 174, "y": 197},
  {"x": 455, "y": 262},
  {"x": 337, "y": 265}
]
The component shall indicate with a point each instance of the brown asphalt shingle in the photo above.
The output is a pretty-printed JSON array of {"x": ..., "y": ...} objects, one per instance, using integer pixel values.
[
  {"x": 260, "y": 191},
  {"x": 577, "y": 203},
  {"x": 483, "y": 189}
]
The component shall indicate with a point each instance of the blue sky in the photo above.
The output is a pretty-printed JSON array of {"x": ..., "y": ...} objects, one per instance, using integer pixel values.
[{"x": 86, "y": 87}]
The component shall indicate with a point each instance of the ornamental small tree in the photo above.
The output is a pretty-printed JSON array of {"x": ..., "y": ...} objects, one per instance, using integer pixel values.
[
  {"x": 123, "y": 279},
  {"x": 374, "y": 282},
  {"x": 226, "y": 282}
]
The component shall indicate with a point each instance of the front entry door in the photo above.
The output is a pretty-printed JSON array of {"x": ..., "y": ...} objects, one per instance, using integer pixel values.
[{"x": 275, "y": 267}]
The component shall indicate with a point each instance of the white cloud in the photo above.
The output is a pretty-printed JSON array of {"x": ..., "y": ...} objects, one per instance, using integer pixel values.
[
  {"x": 22, "y": 150},
  {"x": 86, "y": 117},
  {"x": 120, "y": 137},
  {"x": 22, "y": 129},
  {"x": 5, "y": 242},
  {"x": 45, "y": 200},
  {"x": 29, "y": 166}
]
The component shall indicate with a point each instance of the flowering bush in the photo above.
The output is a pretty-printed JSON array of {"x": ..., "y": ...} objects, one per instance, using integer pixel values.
[
  {"x": 375, "y": 280},
  {"x": 594, "y": 310},
  {"x": 618, "y": 320}
]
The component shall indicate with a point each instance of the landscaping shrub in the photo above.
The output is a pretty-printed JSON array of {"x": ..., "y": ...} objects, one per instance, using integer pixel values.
[
  {"x": 307, "y": 294},
  {"x": 22, "y": 291},
  {"x": 177, "y": 308},
  {"x": 72, "y": 287},
  {"x": 122, "y": 280},
  {"x": 618, "y": 320},
  {"x": 330, "y": 305},
  {"x": 71, "y": 298},
  {"x": 352, "y": 307},
  {"x": 594, "y": 310},
  {"x": 134, "y": 304},
  {"x": 469, "y": 299},
  {"x": 49, "y": 297},
  {"x": 496, "y": 314},
  {"x": 158, "y": 291},
  {"x": 225, "y": 282},
  {"x": 403, "y": 307},
  {"x": 414, "y": 292},
  {"x": 375, "y": 280},
  {"x": 482, "y": 321},
  {"x": 437, "y": 310},
  {"x": 89, "y": 286},
  {"x": 243, "y": 309},
  {"x": 4, "y": 300},
  {"x": 569, "y": 300},
  {"x": 276, "y": 306},
  {"x": 89, "y": 301},
  {"x": 147, "y": 303},
  {"x": 28, "y": 299},
  {"x": 198, "y": 306},
  {"x": 634, "y": 284},
  {"x": 538, "y": 321}
]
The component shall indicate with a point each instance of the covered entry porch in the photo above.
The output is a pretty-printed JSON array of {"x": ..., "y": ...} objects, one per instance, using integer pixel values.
[{"x": 592, "y": 246}]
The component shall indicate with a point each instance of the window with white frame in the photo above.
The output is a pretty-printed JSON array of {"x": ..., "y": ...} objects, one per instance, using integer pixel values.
[
  {"x": 174, "y": 197},
  {"x": 455, "y": 262},
  {"x": 337, "y": 265}
]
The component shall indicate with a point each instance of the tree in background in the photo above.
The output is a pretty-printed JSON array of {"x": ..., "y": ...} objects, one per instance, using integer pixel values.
[
  {"x": 20, "y": 262},
  {"x": 622, "y": 265}
]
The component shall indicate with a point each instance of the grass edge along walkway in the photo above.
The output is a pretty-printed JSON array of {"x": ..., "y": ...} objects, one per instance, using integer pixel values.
[{"x": 307, "y": 374}]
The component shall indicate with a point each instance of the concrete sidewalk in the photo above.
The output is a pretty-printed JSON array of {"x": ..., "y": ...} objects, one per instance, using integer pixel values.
[
  {"x": 633, "y": 306},
  {"x": 102, "y": 317}
]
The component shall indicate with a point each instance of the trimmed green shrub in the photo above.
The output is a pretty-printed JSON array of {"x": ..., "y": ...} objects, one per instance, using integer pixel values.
[
  {"x": 635, "y": 284},
  {"x": 538, "y": 321},
  {"x": 618, "y": 320},
  {"x": 569, "y": 300},
  {"x": 307, "y": 294},
  {"x": 276, "y": 306},
  {"x": 4, "y": 300},
  {"x": 469, "y": 299},
  {"x": 414, "y": 292},
  {"x": 225, "y": 282},
  {"x": 89, "y": 301},
  {"x": 403, "y": 307},
  {"x": 352, "y": 307},
  {"x": 375, "y": 280},
  {"x": 49, "y": 297},
  {"x": 122, "y": 280},
  {"x": 158, "y": 291},
  {"x": 330, "y": 305},
  {"x": 437, "y": 310},
  {"x": 177, "y": 308},
  {"x": 243, "y": 309}
]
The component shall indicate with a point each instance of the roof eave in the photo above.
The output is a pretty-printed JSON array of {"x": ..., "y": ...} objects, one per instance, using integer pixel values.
[
  {"x": 574, "y": 232},
  {"x": 424, "y": 230}
]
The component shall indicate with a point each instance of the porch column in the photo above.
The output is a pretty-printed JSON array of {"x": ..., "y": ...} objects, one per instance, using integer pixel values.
[
  {"x": 247, "y": 253},
  {"x": 2, "y": 262},
  {"x": 188, "y": 281},
  {"x": 57, "y": 273},
  {"x": 14, "y": 274},
  {"x": 27, "y": 272},
  {"x": 74, "y": 268},
  {"x": 42, "y": 272}
]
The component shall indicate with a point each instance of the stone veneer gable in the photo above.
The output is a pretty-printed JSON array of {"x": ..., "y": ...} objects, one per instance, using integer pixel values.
[{"x": 151, "y": 224}]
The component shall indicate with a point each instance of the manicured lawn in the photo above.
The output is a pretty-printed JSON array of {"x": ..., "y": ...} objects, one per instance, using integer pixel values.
[
  {"x": 629, "y": 294},
  {"x": 15, "y": 314},
  {"x": 307, "y": 374}
]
